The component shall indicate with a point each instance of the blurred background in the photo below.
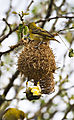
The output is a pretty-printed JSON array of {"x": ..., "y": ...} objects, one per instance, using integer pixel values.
[{"x": 60, "y": 104}]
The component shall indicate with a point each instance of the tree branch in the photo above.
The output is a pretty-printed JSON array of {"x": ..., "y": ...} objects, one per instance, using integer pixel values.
[
  {"x": 10, "y": 32},
  {"x": 7, "y": 16},
  {"x": 11, "y": 49},
  {"x": 48, "y": 12},
  {"x": 71, "y": 107},
  {"x": 65, "y": 29},
  {"x": 7, "y": 24},
  {"x": 29, "y": 5},
  {"x": 48, "y": 19},
  {"x": 15, "y": 75}
]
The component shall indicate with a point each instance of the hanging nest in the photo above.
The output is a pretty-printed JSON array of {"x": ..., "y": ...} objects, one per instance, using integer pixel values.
[{"x": 38, "y": 64}]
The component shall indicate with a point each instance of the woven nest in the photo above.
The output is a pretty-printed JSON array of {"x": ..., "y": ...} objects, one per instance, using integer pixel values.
[{"x": 38, "y": 64}]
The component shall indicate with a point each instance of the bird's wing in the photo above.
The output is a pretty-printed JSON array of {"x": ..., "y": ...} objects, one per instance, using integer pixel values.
[{"x": 42, "y": 32}]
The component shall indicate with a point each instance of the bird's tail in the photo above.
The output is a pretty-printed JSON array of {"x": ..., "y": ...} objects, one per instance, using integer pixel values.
[{"x": 55, "y": 40}]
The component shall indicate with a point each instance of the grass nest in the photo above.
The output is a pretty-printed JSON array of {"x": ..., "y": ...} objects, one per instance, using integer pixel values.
[{"x": 38, "y": 64}]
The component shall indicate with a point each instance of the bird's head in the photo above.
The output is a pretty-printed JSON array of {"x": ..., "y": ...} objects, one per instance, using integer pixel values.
[{"x": 31, "y": 25}]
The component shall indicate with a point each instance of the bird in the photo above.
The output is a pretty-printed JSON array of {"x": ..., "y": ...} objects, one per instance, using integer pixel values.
[
  {"x": 33, "y": 92},
  {"x": 13, "y": 114},
  {"x": 38, "y": 34}
]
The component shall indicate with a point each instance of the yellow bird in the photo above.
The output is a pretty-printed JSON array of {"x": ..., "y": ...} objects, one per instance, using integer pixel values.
[
  {"x": 13, "y": 114},
  {"x": 33, "y": 92},
  {"x": 38, "y": 34}
]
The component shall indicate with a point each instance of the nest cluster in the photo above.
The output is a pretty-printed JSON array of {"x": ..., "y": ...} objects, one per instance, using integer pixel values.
[{"x": 38, "y": 64}]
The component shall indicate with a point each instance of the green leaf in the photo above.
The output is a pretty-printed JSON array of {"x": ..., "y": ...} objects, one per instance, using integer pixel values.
[
  {"x": 35, "y": 9},
  {"x": 19, "y": 35},
  {"x": 25, "y": 30},
  {"x": 14, "y": 12},
  {"x": 20, "y": 28},
  {"x": 68, "y": 36},
  {"x": 2, "y": 63},
  {"x": 71, "y": 53},
  {"x": 60, "y": 77},
  {"x": 25, "y": 14},
  {"x": 72, "y": 97},
  {"x": 63, "y": 93}
]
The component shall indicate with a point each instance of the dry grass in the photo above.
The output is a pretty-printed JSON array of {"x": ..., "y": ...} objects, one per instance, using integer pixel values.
[{"x": 38, "y": 64}]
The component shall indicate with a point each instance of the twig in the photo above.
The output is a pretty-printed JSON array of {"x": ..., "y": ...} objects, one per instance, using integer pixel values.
[
  {"x": 15, "y": 75},
  {"x": 10, "y": 32},
  {"x": 49, "y": 11},
  {"x": 57, "y": 14},
  {"x": 68, "y": 13},
  {"x": 7, "y": 15},
  {"x": 29, "y": 5},
  {"x": 7, "y": 24},
  {"x": 65, "y": 29},
  {"x": 62, "y": 4},
  {"x": 53, "y": 26},
  {"x": 68, "y": 110},
  {"x": 52, "y": 114},
  {"x": 11, "y": 49},
  {"x": 48, "y": 19}
]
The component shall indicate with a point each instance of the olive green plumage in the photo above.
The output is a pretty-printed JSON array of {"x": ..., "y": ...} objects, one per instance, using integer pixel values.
[
  {"x": 38, "y": 34},
  {"x": 13, "y": 114}
]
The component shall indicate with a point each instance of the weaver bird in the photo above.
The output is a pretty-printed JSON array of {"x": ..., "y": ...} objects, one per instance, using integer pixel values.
[
  {"x": 33, "y": 92},
  {"x": 38, "y": 34},
  {"x": 13, "y": 114}
]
